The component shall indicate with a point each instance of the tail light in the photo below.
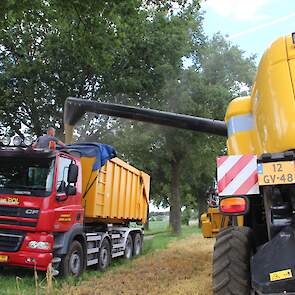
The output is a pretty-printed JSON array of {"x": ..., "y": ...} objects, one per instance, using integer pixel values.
[{"x": 234, "y": 205}]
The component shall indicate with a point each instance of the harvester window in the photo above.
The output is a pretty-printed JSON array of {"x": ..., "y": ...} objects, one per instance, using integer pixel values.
[{"x": 62, "y": 174}]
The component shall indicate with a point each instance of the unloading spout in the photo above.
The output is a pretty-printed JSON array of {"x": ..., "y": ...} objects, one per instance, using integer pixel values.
[{"x": 75, "y": 108}]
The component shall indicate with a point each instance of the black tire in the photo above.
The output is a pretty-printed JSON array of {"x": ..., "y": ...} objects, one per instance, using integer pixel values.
[
  {"x": 104, "y": 258},
  {"x": 137, "y": 244},
  {"x": 129, "y": 248},
  {"x": 73, "y": 263},
  {"x": 231, "y": 261}
]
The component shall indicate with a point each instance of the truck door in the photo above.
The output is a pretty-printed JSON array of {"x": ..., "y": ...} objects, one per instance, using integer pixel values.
[{"x": 67, "y": 203}]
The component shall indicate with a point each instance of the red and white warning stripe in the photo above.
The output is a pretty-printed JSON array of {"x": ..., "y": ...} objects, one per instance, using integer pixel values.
[{"x": 237, "y": 175}]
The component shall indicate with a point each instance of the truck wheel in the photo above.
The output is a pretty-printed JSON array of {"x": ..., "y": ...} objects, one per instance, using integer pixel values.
[
  {"x": 129, "y": 248},
  {"x": 231, "y": 261},
  {"x": 73, "y": 263},
  {"x": 104, "y": 258},
  {"x": 137, "y": 245}
]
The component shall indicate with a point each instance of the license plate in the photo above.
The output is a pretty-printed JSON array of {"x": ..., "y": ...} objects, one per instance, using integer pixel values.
[
  {"x": 280, "y": 275},
  {"x": 3, "y": 258},
  {"x": 276, "y": 173}
]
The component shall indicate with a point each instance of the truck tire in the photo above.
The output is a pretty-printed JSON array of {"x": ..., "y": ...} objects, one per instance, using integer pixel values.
[
  {"x": 104, "y": 258},
  {"x": 73, "y": 263},
  {"x": 231, "y": 261},
  {"x": 137, "y": 244},
  {"x": 128, "y": 248}
]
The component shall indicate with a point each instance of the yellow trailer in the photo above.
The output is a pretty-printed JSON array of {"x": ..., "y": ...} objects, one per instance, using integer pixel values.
[{"x": 115, "y": 193}]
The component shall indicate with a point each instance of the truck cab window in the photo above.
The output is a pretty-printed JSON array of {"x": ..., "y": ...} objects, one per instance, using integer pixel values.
[
  {"x": 62, "y": 174},
  {"x": 32, "y": 175}
]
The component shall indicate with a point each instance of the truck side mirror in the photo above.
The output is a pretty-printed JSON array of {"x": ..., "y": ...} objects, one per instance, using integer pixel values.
[{"x": 73, "y": 173}]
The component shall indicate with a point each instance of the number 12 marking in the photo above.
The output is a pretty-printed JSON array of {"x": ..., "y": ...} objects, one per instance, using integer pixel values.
[{"x": 277, "y": 167}]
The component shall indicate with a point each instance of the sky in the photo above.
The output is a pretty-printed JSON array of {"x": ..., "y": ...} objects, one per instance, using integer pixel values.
[{"x": 251, "y": 24}]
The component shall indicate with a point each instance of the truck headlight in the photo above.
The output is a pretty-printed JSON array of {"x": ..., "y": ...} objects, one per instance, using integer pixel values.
[{"x": 39, "y": 245}]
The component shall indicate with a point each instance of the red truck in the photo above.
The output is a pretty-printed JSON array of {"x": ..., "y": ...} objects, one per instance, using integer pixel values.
[{"x": 44, "y": 197}]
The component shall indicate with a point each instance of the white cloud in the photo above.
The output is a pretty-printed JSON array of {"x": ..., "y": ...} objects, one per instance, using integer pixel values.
[
  {"x": 263, "y": 26},
  {"x": 238, "y": 9}
]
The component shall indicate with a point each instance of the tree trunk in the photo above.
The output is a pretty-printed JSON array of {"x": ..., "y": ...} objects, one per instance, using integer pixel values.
[
  {"x": 147, "y": 224},
  {"x": 174, "y": 200},
  {"x": 202, "y": 208}
]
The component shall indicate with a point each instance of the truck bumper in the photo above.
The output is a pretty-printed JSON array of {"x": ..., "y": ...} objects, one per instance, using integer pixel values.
[
  {"x": 39, "y": 261},
  {"x": 273, "y": 265}
]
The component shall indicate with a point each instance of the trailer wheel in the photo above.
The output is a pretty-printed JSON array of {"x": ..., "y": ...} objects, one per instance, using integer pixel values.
[
  {"x": 137, "y": 244},
  {"x": 231, "y": 261},
  {"x": 104, "y": 258},
  {"x": 73, "y": 263},
  {"x": 128, "y": 248}
]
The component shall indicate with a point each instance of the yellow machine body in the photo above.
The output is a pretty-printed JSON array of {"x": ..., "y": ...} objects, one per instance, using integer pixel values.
[
  {"x": 115, "y": 193},
  {"x": 265, "y": 121},
  {"x": 213, "y": 221}
]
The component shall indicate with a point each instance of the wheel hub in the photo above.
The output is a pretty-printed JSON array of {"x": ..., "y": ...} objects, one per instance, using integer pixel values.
[
  {"x": 137, "y": 246},
  {"x": 128, "y": 249},
  {"x": 104, "y": 257},
  {"x": 75, "y": 263}
]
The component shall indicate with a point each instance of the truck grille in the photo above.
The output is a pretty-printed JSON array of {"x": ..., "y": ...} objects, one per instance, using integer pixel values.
[
  {"x": 12, "y": 211},
  {"x": 10, "y": 240},
  {"x": 19, "y": 212},
  {"x": 8, "y": 211}
]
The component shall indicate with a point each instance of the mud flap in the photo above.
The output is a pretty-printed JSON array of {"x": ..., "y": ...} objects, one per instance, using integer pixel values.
[{"x": 273, "y": 265}]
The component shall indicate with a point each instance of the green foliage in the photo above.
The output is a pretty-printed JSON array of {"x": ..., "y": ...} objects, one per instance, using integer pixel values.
[
  {"x": 186, "y": 216},
  {"x": 225, "y": 64},
  {"x": 118, "y": 50}
]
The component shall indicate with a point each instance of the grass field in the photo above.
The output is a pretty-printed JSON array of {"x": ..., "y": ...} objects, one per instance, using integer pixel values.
[
  {"x": 182, "y": 266},
  {"x": 157, "y": 227},
  {"x": 22, "y": 282}
]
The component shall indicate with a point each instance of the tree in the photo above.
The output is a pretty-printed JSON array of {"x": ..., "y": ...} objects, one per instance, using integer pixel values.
[
  {"x": 115, "y": 50},
  {"x": 182, "y": 163}
]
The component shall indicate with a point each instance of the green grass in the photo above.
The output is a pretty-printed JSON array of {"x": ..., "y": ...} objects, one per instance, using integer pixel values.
[
  {"x": 162, "y": 239},
  {"x": 156, "y": 227},
  {"x": 21, "y": 282}
]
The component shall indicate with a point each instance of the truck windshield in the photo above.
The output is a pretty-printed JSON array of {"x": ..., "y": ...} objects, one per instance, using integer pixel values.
[{"x": 27, "y": 176}]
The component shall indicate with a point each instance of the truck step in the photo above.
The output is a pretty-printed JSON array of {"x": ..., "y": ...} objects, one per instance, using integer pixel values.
[
  {"x": 116, "y": 236},
  {"x": 120, "y": 253},
  {"x": 92, "y": 250},
  {"x": 93, "y": 238},
  {"x": 92, "y": 262},
  {"x": 56, "y": 260},
  {"x": 115, "y": 246}
]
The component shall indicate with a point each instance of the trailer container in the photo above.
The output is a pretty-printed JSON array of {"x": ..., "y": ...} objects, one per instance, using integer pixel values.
[{"x": 115, "y": 193}]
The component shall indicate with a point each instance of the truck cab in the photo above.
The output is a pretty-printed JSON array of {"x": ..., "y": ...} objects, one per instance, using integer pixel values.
[{"x": 40, "y": 200}]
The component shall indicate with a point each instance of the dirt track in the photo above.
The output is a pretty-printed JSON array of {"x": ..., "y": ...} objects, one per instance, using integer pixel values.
[{"x": 183, "y": 268}]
